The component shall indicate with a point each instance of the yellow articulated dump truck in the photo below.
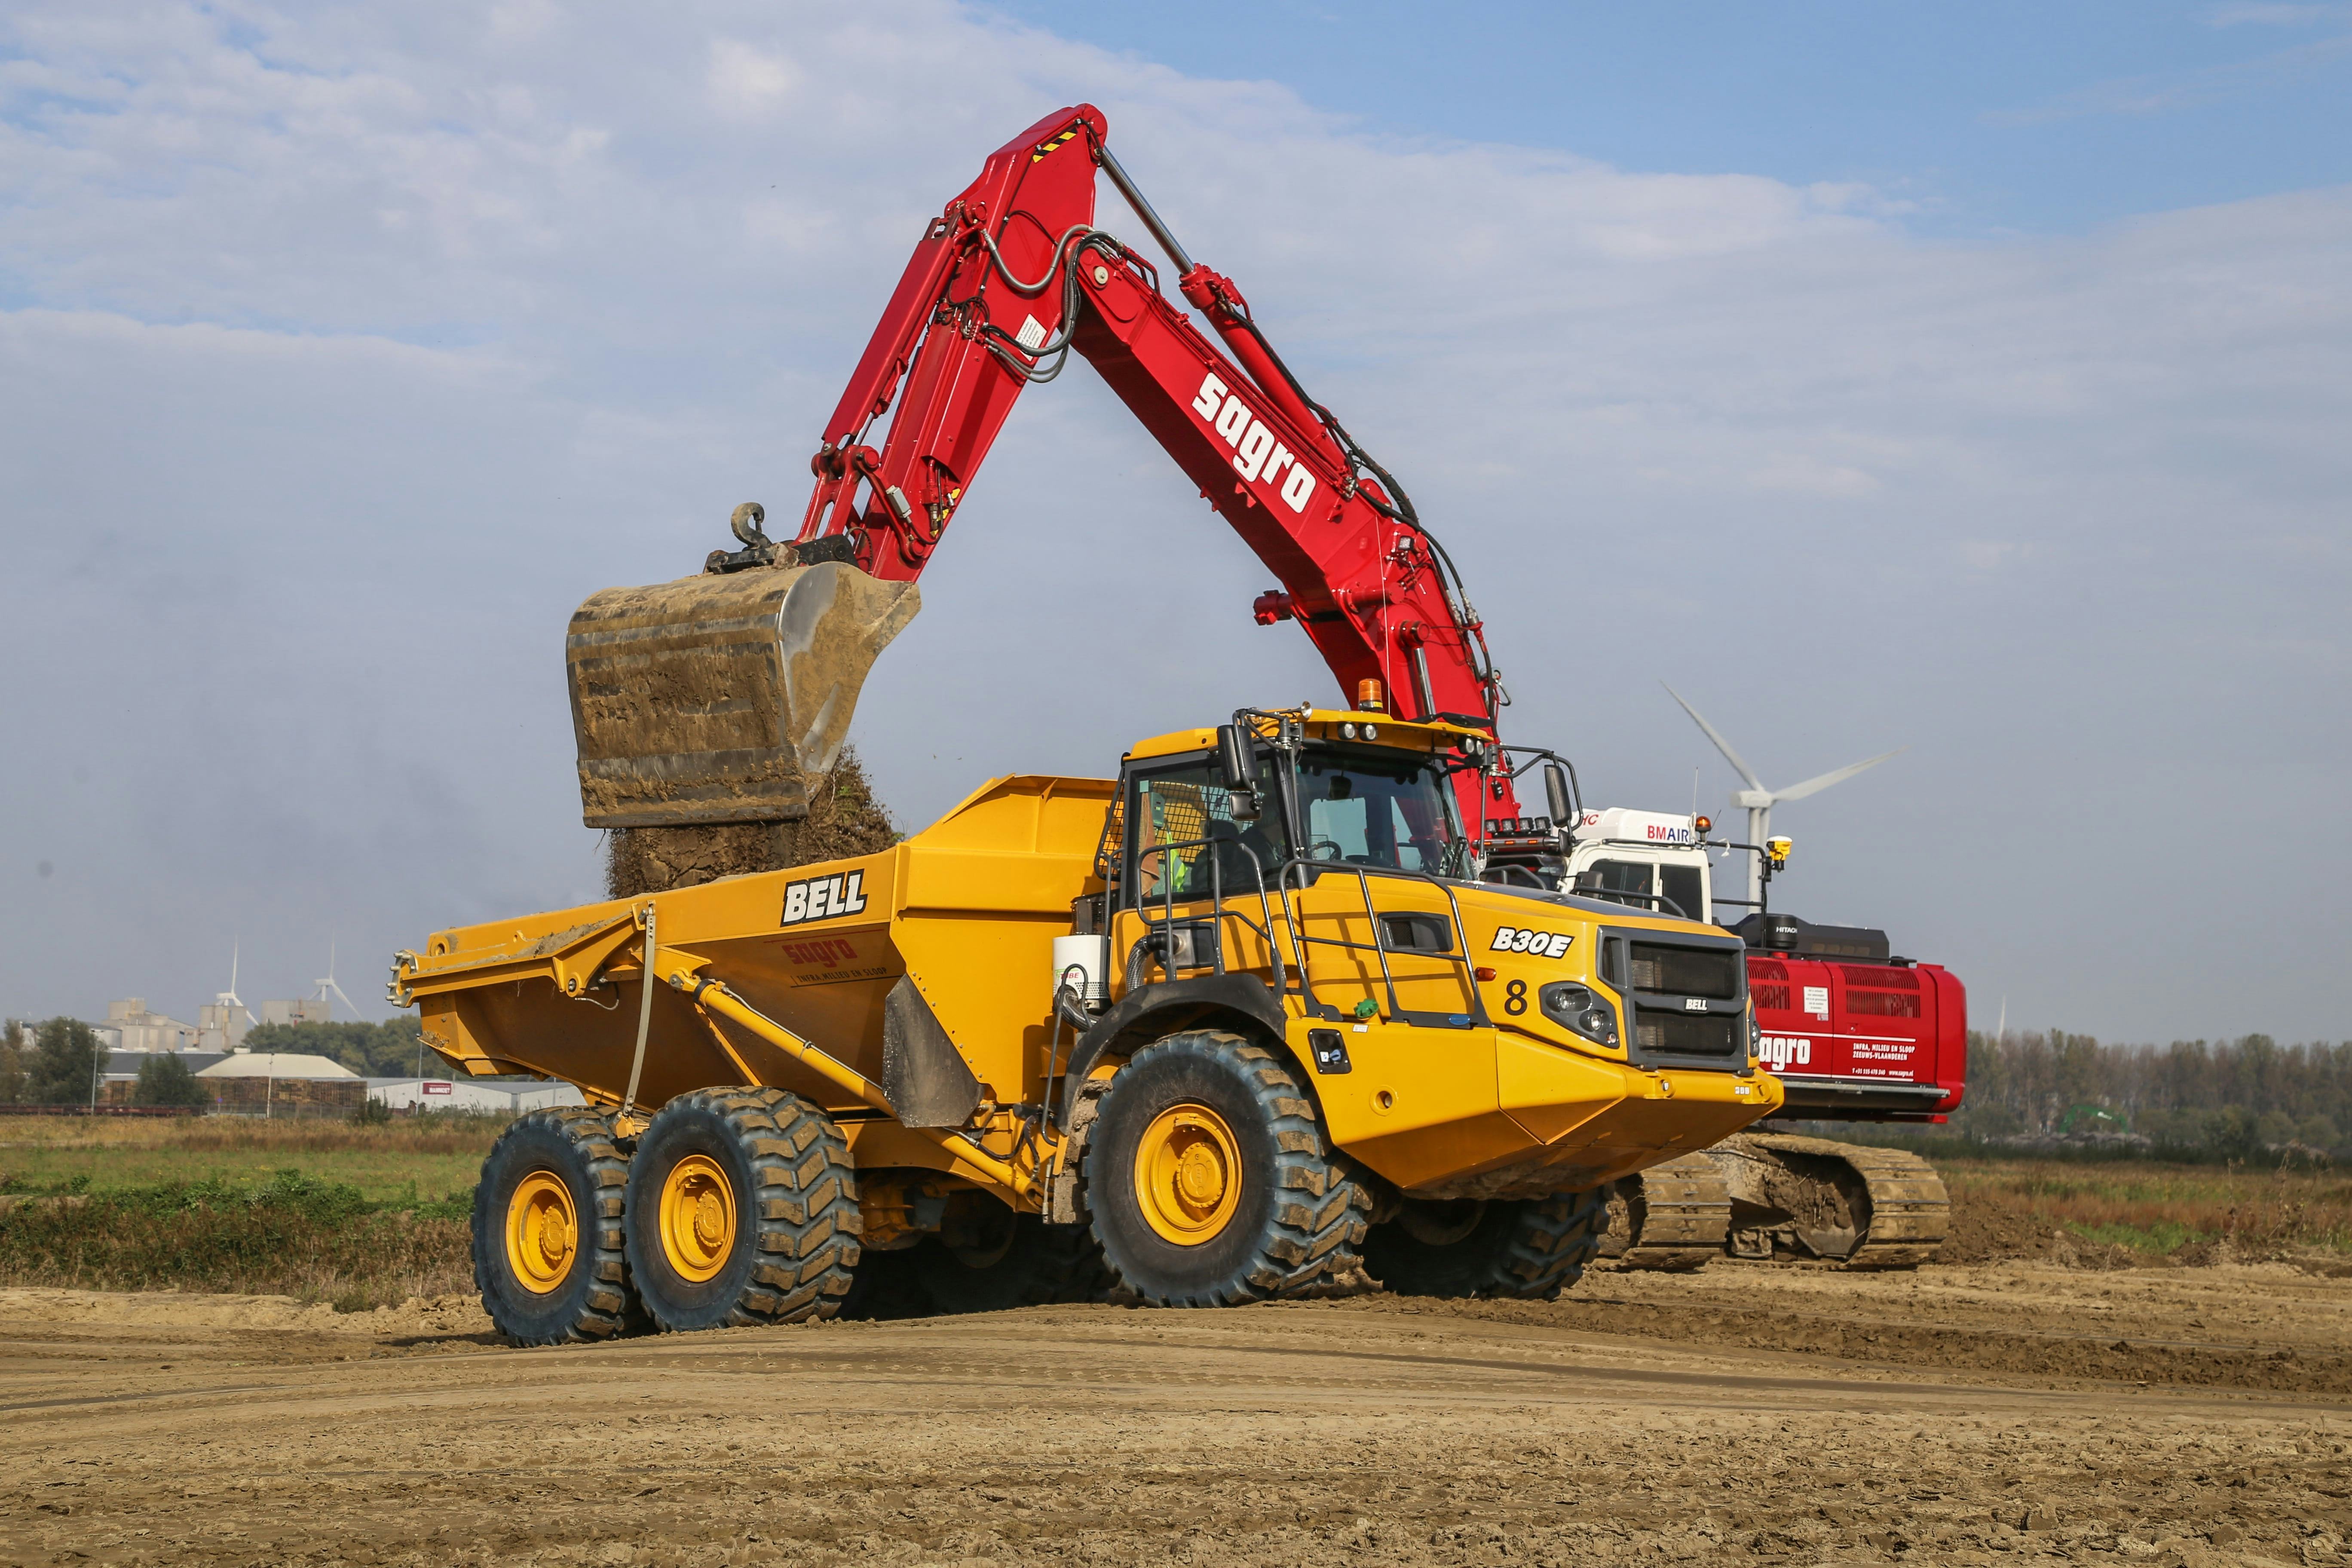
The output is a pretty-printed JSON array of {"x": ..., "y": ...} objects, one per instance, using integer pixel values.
[{"x": 1230, "y": 1028}]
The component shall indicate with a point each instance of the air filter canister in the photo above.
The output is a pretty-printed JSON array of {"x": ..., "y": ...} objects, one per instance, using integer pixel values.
[{"x": 1083, "y": 964}]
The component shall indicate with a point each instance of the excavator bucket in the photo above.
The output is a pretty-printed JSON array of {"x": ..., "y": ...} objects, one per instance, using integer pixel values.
[{"x": 713, "y": 699}]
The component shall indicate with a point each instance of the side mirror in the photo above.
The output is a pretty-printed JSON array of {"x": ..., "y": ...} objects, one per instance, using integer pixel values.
[
  {"x": 1558, "y": 796},
  {"x": 1237, "y": 762},
  {"x": 1237, "y": 757}
]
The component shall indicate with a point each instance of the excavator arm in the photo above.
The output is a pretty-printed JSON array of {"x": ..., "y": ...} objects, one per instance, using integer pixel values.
[
  {"x": 711, "y": 700},
  {"x": 1011, "y": 278}
]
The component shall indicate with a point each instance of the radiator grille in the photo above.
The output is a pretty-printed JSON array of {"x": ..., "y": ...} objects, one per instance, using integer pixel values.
[
  {"x": 1687, "y": 971},
  {"x": 1882, "y": 1004},
  {"x": 1716, "y": 1035}
]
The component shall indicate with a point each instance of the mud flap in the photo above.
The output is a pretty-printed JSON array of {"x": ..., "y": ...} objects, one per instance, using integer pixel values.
[
  {"x": 711, "y": 699},
  {"x": 924, "y": 1076}
]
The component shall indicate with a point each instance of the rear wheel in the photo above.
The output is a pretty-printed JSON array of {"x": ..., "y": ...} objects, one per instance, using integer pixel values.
[
  {"x": 548, "y": 1213},
  {"x": 1210, "y": 1181},
  {"x": 742, "y": 1209},
  {"x": 1530, "y": 1248},
  {"x": 987, "y": 1258}
]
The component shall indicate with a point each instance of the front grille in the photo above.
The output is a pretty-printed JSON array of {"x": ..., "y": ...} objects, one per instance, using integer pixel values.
[
  {"x": 1711, "y": 972},
  {"x": 1712, "y": 1036}
]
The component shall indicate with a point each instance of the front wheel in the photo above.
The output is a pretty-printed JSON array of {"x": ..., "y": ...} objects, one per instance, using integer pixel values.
[
  {"x": 1210, "y": 1181},
  {"x": 1528, "y": 1248}
]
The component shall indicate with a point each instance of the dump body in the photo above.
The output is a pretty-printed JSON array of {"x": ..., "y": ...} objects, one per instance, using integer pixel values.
[{"x": 1414, "y": 1006}]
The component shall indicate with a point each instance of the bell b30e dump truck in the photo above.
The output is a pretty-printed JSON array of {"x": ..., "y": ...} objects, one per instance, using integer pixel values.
[{"x": 1241, "y": 1020}]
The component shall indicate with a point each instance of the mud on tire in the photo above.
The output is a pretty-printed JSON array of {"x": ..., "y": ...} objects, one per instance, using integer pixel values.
[
  {"x": 1528, "y": 1248},
  {"x": 1278, "y": 1211},
  {"x": 548, "y": 1250},
  {"x": 742, "y": 1210}
]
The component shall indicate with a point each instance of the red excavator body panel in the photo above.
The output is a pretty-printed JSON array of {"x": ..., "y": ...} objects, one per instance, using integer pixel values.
[{"x": 1861, "y": 1042}]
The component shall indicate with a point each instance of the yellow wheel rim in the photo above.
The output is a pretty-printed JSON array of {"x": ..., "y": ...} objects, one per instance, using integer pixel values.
[
  {"x": 542, "y": 1232},
  {"x": 1187, "y": 1174},
  {"x": 698, "y": 1219}
]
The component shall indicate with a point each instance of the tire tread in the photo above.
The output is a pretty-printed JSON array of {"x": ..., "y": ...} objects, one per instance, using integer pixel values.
[{"x": 1304, "y": 1241}]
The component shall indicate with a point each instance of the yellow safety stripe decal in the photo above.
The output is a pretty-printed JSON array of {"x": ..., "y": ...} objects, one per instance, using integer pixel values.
[{"x": 1046, "y": 147}]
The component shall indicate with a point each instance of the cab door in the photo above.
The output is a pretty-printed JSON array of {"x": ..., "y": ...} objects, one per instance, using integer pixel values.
[{"x": 1192, "y": 877}]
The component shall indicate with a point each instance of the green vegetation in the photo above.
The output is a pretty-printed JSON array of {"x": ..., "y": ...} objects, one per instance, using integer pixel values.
[
  {"x": 392, "y": 1049},
  {"x": 291, "y": 1235},
  {"x": 57, "y": 1067},
  {"x": 387, "y": 1163},
  {"x": 164, "y": 1080},
  {"x": 2186, "y": 1212},
  {"x": 2250, "y": 1100}
]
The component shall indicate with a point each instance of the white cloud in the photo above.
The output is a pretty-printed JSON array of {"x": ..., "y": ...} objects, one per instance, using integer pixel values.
[
  {"x": 362, "y": 344},
  {"x": 748, "y": 82}
]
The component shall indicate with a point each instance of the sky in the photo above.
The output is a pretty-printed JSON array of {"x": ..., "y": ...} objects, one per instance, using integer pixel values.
[{"x": 1972, "y": 380}]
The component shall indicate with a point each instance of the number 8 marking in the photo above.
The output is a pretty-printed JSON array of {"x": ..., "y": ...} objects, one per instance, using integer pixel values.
[{"x": 1515, "y": 997}]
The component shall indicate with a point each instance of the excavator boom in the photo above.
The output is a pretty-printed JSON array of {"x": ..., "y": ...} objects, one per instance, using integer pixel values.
[{"x": 1010, "y": 280}]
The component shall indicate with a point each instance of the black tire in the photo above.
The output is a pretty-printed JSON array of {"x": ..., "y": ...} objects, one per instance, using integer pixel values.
[
  {"x": 1295, "y": 1216},
  {"x": 988, "y": 1259},
  {"x": 779, "y": 1198},
  {"x": 1528, "y": 1248},
  {"x": 589, "y": 1296}
]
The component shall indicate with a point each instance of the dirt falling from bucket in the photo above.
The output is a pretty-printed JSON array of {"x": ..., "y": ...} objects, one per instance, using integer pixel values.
[{"x": 843, "y": 820}]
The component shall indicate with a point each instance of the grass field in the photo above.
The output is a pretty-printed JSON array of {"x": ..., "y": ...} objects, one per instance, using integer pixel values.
[
  {"x": 418, "y": 1159},
  {"x": 365, "y": 1215},
  {"x": 2183, "y": 1212}
]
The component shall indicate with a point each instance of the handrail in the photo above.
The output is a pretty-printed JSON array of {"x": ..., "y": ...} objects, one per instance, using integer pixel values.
[
  {"x": 1217, "y": 906},
  {"x": 1459, "y": 958}
]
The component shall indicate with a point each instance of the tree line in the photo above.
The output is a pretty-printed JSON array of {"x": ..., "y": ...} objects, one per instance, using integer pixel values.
[
  {"x": 55, "y": 1061},
  {"x": 394, "y": 1048},
  {"x": 2225, "y": 1099}
]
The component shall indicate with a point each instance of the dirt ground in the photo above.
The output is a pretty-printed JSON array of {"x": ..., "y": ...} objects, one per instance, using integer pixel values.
[{"x": 2013, "y": 1413}]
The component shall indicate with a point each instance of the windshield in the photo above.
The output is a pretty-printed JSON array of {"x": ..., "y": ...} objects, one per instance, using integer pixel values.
[{"x": 1379, "y": 808}]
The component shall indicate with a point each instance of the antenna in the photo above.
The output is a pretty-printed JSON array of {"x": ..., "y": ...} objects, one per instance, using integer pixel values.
[{"x": 1758, "y": 800}]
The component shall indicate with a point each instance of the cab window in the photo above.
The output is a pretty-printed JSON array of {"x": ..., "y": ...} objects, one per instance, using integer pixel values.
[
  {"x": 1685, "y": 888},
  {"x": 1371, "y": 809},
  {"x": 1621, "y": 881},
  {"x": 1183, "y": 841}
]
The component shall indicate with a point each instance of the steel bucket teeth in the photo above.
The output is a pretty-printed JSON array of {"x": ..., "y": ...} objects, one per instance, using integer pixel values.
[{"x": 711, "y": 699}]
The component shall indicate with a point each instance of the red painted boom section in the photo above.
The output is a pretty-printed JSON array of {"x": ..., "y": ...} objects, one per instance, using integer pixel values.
[{"x": 1012, "y": 276}]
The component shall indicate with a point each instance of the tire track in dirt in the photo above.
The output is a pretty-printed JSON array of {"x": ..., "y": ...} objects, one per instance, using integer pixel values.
[{"x": 1369, "y": 1430}]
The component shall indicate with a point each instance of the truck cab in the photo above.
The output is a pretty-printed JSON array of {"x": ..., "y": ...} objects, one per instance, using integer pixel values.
[
  {"x": 1311, "y": 864},
  {"x": 1647, "y": 859}
]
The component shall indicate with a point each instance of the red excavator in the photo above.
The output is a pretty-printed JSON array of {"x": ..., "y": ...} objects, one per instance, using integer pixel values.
[{"x": 758, "y": 661}]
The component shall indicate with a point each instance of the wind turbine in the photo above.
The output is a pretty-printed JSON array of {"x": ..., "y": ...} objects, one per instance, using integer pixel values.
[
  {"x": 326, "y": 983},
  {"x": 1758, "y": 802},
  {"x": 229, "y": 998}
]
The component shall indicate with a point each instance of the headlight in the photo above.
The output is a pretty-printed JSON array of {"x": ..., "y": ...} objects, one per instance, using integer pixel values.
[{"x": 1578, "y": 1009}]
